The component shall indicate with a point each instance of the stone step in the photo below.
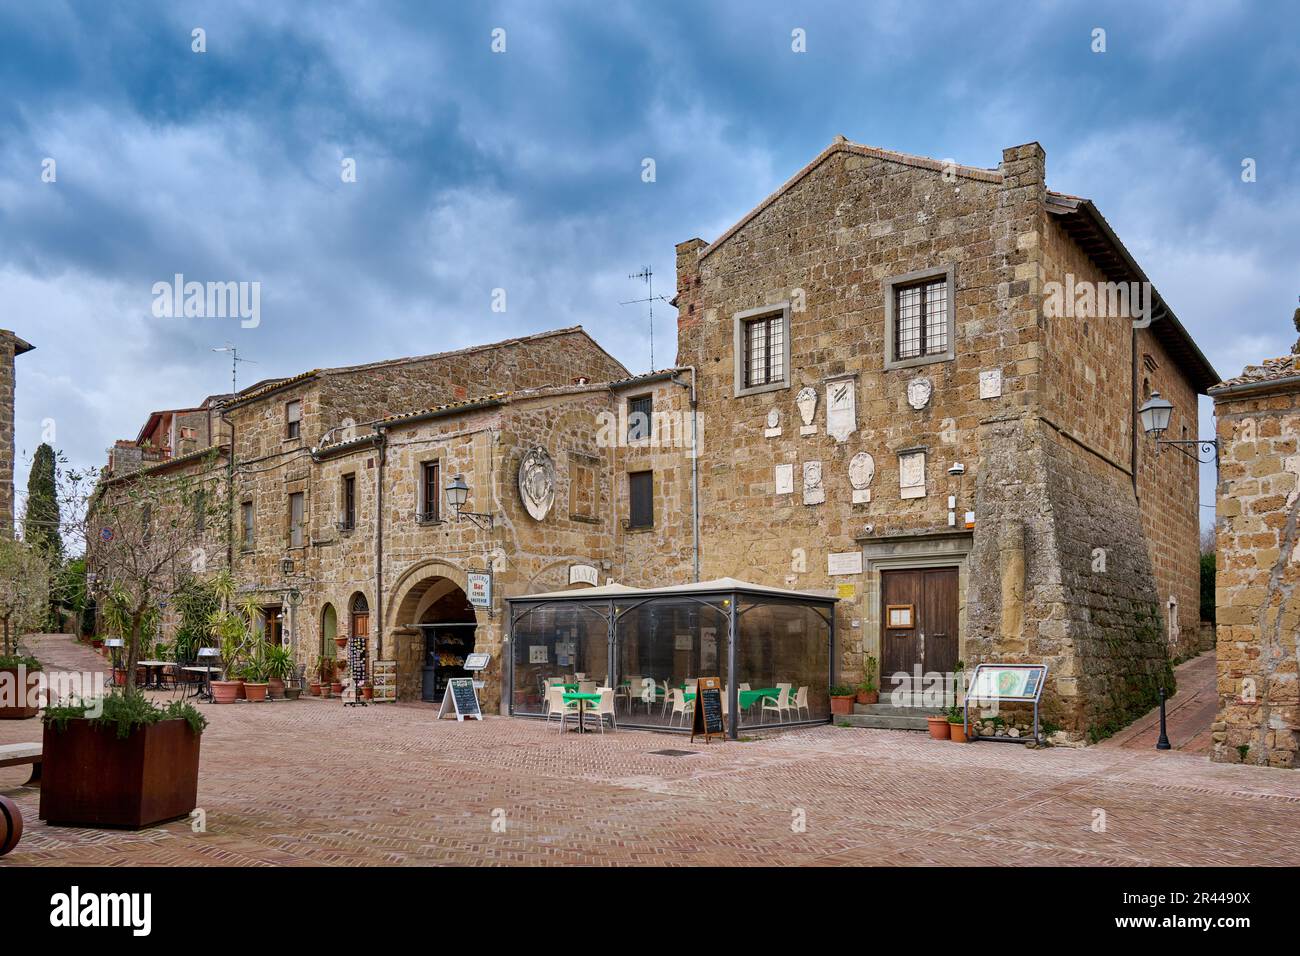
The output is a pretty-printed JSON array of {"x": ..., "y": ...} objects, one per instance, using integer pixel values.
[
  {"x": 883, "y": 721},
  {"x": 889, "y": 710}
]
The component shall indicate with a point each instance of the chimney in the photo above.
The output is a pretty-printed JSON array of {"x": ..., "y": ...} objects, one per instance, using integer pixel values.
[
  {"x": 11, "y": 346},
  {"x": 688, "y": 299}
]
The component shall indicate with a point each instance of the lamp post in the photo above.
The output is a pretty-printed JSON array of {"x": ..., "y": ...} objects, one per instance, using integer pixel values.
[
  {"x": 457, "y": 495},
  {"x": 1154, "y": 416}
]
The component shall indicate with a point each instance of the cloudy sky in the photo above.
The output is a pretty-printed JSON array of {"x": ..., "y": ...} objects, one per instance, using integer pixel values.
[{"x": 522, "y": 170}]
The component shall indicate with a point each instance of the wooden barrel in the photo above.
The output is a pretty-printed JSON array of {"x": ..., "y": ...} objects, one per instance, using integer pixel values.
[{"x": 11, "y": 825}]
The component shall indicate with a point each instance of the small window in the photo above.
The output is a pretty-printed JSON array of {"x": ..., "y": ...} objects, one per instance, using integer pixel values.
[
  {"x": 430, "y": 490},
  {"x": 349, "y": 502},
  {"x": 764, "y": 351},
  {"x": 293, "y": 419},
  {"x": 246, "y": 523},
  {"x": 921, "y": 320},
  {"x": 296, "y": 519},
  {"x": 639, "y": 416},
  {"x": 200, "y": 509},
  {"x": 187, "y": 433},
  {"x": 640, "y": 494}
]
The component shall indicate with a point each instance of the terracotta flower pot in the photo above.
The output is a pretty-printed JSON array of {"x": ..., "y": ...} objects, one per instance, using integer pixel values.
[
  {"x": 225, "y": 691},
  {"x": 868, "y": 696},
  {"x": 938, "y": 727},
  {"x": 255, "y": 692},
  {"x": 842, "y": 705},
  {"x": 275, "y": 688},
  {"x": 92, "y": 778},
  {"x": 314, "y": 688},
  {"x": 336, "y": 688},
  {"x": 367, "y": 693},
  {"x": 15, "y": 697},
  {"x": 958, "y": 733}
]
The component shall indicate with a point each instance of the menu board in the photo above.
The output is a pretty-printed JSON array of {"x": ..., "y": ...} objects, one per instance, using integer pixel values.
[
  {"x": 461, "y": 694},
  {"x": 384, "y": 681},
  {"x": 708, "y": 709}
]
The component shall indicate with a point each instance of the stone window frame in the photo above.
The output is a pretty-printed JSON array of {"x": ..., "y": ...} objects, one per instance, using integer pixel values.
[
  {"x": 738, "y": 348},
  {"x": 578, "y": 459},
  {"x": 640, "y": 439},
  {"x": 627, "y": 522},
  {"x": 422, "y": 514},
  {"x": 289, "y": 492},
  {"x": 247, "y": 529},
  {"x": 347, "y": 523},
  {"x": 293, "y": 426},
  {"x": 890, "y": 287}
]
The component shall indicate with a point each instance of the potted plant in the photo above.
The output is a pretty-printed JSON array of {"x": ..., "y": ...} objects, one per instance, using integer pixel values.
[
  {"x": 279, "y": 666},
  {"x": 336, "y": 681},
  {"x": 255, "y": 676},
  {"x": 867, "y": 692},
  {"x": 234, "y": 629},
  {"x": 957, "y": 724},
  {"x": 123, "y": 763},
  {"x": 939, "y": 726},
  {"x": 341, "y": 641},
  {"x": 842, "y": 699},
  {"x": 20, "y": 684},
  {"x": 367, "y": 691}
]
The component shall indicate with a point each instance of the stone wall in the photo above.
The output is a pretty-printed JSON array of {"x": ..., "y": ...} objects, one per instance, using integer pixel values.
[
  {"x": 7, "y": 350},
  {"x": 1257, "y": 593}
]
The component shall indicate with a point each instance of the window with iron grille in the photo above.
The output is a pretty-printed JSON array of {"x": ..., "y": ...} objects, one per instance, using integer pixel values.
[
  {"x": 765, "y": 351},
  {"x": 349, "y": 502},
  {"x": 639, "y": 413},
  {"x": 640, "y": 494},
  {"x": 430, "y": 492},
  {"x": 246, "y": 522},
  {"x": 293, "y": 419},
  {"x": 921, "y": 320}
]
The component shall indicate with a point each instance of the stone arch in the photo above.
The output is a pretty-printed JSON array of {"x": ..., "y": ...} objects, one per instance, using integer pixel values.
[{"x": 545, "y": 579}]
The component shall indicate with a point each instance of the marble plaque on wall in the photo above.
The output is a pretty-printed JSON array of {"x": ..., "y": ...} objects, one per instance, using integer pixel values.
[
  {"x": 911, "y": 475},
  {"x": 784, "y": 478},
  {"x": 814, "y": 489}
]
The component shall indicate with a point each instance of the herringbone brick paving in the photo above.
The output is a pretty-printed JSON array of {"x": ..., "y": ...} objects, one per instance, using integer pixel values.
[{"x": 313, "y": 783}]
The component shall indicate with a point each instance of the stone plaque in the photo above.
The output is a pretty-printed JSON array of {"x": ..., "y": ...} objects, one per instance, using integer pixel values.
[
  {"x": 784, "y": 478},
  {"x": 846, "y": 562},
  {"x": 814, "y": 490},
  {"x": 991, "y": 383},
  {"x": 841, "y": 408},
  {"x": 918, "y": 392},
  {"x": 773, "y": 429},
  {"x": 537, "y": 482},
  {"x": 862, "y": 468},
  {"x": 911, "y": 474},
  {"x": 582, "y": 574},
  {"x": 806, "y": 402}
]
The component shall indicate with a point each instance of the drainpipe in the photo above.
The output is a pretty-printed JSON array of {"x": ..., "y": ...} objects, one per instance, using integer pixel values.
[
  {"x": 695, "y": 465},
  {"x": 382, "y": 453}
]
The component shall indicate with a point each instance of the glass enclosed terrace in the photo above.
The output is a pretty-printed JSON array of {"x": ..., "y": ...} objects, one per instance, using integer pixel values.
[{"x": 651, "y": 645}]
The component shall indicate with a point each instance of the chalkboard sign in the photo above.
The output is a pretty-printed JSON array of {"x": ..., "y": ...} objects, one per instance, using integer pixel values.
[
  {"x": 708, "y": 709},
  {"x": 461, "y": 694}
]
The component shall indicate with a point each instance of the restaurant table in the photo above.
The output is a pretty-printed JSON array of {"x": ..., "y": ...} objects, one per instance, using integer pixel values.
[
  {"x": 156, "y": 682},
  {"x": 582, "y": 705},
  {"x": 748, "y": 698},
  {"x": 207, "y": 673}
]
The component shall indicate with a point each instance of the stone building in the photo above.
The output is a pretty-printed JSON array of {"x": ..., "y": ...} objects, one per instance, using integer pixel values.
[
  {"x": 911, "y": 381},
  {"x": 1257, "y": 586},
  {"x": 11, "y": 346}
]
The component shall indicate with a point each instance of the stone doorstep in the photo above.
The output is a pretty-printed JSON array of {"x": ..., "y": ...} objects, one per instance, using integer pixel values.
[
  {"x": 883, "y": 721},
  {"x": 889, "y": 710}
]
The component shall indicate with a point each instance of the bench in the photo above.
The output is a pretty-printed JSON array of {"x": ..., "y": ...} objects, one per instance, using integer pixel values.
[{"x": 16, "y": 755}]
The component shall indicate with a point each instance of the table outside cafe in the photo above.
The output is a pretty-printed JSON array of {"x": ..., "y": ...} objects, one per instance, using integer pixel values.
[{"x": 650, "y": 647}]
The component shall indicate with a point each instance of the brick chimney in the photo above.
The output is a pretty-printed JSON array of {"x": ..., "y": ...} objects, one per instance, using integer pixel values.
[
  {"x": 11, "y": 346},
  {"x": 688, "y": 299}
]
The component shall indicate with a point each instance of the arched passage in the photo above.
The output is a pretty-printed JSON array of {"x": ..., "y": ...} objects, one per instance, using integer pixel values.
[{"x": 437, "y": 625}]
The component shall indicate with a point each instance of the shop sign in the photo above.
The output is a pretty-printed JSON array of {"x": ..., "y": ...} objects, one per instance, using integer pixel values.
[
  {"x": 480, "y": 589},
  {"x": 582, "y": 574}
]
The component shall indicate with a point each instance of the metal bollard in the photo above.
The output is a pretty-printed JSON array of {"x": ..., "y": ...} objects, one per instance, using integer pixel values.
[{"x": 1163, "y": 742}]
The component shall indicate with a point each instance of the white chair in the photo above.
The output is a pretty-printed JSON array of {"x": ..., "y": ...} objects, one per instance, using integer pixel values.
[
  {"x": 779, "y": 706},
  {"x": 603, "y": 707},
  {"x": 556, "y": 706},
  {"x": 800, "y": 703},
  {"x": 680, "y": 706},
  {"x": 586, "y": 686}
]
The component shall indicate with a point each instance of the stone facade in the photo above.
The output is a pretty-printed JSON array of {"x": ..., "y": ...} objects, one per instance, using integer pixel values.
[
  {"x": 10, "y": 348},
  {"x": 1069, "y": 560},
  {"x": 1257, "y": 586}
]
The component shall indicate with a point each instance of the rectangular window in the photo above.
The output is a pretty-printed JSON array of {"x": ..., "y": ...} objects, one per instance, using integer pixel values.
[
  {"x": 293, "y": 419},
  {"x": 764, "y": 351},
  {"x": 200, "y": 509},
  {"x": 296, "y": 519},
  {"x": 349, "y": 502},
  {"x": 640, "y": 495},
  {"x": 639, "y": 413},
  {"x": 430, "y": 491},
  {"x": 246, "y": 523},
  {"x": 921, "y": 320}
]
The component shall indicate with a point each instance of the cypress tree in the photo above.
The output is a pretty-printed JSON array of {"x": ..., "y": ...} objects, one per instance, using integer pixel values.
[{"x": 41, "y": 521}]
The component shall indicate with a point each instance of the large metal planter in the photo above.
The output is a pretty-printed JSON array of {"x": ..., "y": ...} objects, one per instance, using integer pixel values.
[
  {"x": 91, "y": 778},
  {"x": 20, "y": 712}
]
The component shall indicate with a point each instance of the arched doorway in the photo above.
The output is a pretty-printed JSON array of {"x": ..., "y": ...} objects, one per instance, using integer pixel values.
[
  {"x": 359, "y": 611},
  {"x": 441, "y": 622},
  {"x": 329, "y": 629}
]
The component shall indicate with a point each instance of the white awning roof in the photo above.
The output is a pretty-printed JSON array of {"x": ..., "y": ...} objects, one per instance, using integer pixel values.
[{"x": 607, "y": 591}]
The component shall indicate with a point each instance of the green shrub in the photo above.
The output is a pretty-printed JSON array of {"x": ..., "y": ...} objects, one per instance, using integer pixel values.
[
  {"x": 843, "y": 690},
  {"x": 18, "y": 660},
  {"x": 124, "y": 712}
]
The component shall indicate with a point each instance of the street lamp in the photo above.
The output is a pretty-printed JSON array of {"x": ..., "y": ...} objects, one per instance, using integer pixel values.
[
  {"x": 286, "y": 566},
  {"x": 1154, "y": 416},
  {"x": 457, "y": 495}
]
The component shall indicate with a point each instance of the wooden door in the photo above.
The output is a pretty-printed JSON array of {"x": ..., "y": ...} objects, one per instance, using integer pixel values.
[{"x": 918, "y": 623}]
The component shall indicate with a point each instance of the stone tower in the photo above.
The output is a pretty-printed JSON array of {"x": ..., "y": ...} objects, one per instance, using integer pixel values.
[{"x": 11, "y": 346}]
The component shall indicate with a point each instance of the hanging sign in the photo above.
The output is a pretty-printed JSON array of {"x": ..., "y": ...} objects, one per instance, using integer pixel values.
[
  {"x": 708, "y": 709},
  {"x": 480, "y": 588},
  {"x": 461, "y": 695}
]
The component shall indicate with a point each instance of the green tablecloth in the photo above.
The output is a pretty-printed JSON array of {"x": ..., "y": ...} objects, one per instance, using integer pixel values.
[
  {"x": 571, "y": 698},
  {"x": 748, "y": 698}
]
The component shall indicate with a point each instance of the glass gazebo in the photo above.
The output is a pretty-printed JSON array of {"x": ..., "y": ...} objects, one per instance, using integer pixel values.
[{"x": 651, "y": 645}]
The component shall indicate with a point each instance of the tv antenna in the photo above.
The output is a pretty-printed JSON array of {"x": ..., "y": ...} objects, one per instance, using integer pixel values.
[
  {"x": 234, "y": 365},
  {"x": 647, "y": 276}
]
